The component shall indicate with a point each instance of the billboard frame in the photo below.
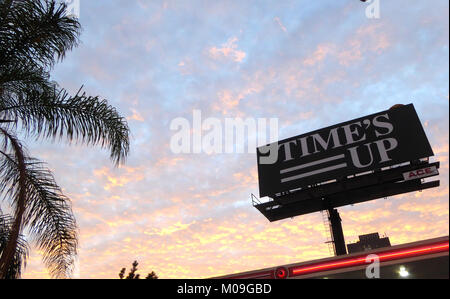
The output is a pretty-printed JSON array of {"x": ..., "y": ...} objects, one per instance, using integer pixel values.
[{"x": 375, "y": 141}]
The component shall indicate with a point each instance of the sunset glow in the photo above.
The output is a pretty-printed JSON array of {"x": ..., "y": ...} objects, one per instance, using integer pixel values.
[{"x": 309, "y": 64}]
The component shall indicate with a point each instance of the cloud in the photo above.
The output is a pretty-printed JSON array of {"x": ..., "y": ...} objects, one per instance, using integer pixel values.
[
  {"x": 118, "y": 178},
  {"x": 278, "y": 21},
  {"x": 228, "y": 50},
  {"x": 308, "y": 65},
  {"x": 321, "y": 52},
  {"x": 135, "y": 116}
]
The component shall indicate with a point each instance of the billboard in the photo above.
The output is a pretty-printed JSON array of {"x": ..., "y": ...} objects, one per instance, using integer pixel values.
[{"x": 368, "y": 143}]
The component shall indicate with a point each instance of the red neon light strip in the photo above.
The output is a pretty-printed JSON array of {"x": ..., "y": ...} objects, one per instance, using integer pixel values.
[{"x": 362, "y": 260}]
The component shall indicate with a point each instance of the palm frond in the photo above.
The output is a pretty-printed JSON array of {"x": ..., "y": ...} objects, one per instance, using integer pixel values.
[
  {"x": 22, "y": 250},
  {"x": 36, "y": 32},
  {"x": 52, "y": 113},
  {"x": 34, "y": 35},
  {"x": 50, "y": 220},
  {"x": 48, "y": 213}
]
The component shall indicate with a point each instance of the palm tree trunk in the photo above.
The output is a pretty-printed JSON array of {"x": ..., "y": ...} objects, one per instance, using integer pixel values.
[{"x": 10, "y": 248}]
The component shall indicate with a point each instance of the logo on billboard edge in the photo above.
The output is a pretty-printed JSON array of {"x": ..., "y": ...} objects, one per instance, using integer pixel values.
[{"x": 420, "y": 173}]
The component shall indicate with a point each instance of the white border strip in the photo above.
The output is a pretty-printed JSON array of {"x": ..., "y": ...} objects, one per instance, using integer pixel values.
[
  {"x": 306, "y": 174},
  {"x": 312, "y": 163}
]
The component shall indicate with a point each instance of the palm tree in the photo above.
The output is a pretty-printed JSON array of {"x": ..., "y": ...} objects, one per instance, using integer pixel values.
[
  {"x": 21, "y": 253},
  {"x": 34, "y": 35}
]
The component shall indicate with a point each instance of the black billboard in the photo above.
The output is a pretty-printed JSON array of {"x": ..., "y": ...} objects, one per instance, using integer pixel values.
[{"x": 368, "y": 143}]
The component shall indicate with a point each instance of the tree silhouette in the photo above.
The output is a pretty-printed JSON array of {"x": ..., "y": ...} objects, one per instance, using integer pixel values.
[
  {"x": 34, "y": 36},
  {"x": 133, "y": 275},
  {"x": 151, "y": 275},
  {"x": 21, "y": 253}
]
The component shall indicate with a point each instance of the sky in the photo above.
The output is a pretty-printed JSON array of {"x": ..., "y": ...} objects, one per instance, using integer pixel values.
[{"x": 310, "y": 64}]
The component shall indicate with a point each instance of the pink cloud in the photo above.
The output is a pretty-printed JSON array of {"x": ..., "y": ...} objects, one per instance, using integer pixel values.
[
  {"x": 321, "y": 52},
  {"x": 228, "y": 50}
]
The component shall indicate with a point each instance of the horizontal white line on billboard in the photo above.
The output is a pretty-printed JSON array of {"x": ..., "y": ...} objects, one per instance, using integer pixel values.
[
  {"x": 306, "y": 174},
  {"x": 312, "y": 163}
]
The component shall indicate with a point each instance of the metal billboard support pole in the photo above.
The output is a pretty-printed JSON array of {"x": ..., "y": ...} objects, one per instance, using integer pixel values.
[{"x": 337, "y": 232}]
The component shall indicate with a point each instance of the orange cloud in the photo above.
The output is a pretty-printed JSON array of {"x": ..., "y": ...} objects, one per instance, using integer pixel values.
[
  {"x": 135, "y": 116},
  {"x": 126, "y": 175}
]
